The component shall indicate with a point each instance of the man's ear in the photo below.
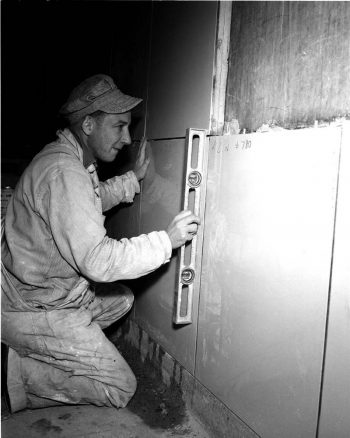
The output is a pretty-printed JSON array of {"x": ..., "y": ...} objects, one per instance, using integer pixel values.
[{"x": 88, "y": 125}]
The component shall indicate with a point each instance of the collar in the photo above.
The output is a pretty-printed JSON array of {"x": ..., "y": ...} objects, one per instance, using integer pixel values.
[{"x": 87, "y": 156}]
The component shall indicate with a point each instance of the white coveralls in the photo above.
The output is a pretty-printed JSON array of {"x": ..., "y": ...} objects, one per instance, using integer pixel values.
[{"x": 54, "y": 247}]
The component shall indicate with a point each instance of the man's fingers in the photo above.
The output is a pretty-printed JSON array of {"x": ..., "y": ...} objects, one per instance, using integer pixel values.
[
  {"x": 195, "y": 219},
  {"x": 146, "y": 163},
  {"x": 183, "y": 228},
  {"x": 192, "y": 228},
  {"x": 183, "y": 214},
  {"x": 142, "y": 150},
  {"x": 141, "y": 154},
  {"x": 191, "y": 219},
  {"x": 190, "y": 236}
]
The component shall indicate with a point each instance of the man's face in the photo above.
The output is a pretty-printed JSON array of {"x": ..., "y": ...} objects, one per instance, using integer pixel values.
[{"x": 109, "y": 135}]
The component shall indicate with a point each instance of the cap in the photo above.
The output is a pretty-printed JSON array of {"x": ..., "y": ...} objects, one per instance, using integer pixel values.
[{"x": 97, "y": 92}]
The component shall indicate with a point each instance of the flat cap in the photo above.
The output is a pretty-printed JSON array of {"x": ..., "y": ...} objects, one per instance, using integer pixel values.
[{"x": 97, "y": 92}]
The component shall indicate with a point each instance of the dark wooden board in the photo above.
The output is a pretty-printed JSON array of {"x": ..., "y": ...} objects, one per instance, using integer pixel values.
[{"x": 289, "y": 63}]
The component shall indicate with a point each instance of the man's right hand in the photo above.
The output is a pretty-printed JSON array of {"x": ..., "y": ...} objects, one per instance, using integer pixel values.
[{"x": 182, "y": 228}]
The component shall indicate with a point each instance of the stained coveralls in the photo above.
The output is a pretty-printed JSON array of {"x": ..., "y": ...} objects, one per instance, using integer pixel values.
[{"x": 54, "y": 247}]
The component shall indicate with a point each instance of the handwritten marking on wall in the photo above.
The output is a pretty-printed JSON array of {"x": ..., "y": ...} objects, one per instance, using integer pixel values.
[{"x": 238, "y": 145}]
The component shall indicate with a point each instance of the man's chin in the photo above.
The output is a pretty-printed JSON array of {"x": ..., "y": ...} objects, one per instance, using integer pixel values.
[
  {"x": 109, "y": 158},
  {"x": 113, "y": 155}
]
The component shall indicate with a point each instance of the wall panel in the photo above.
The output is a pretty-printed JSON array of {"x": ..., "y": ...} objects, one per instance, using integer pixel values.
[
  {"x": 124, "y": 219},
  {"x": 265, "y": 277},
  {"x": 181, "y": 72},
  {"x": 162, "y": 198},
  {"x": 335, "y": 409},
  {"x": 129, "y": 59}
]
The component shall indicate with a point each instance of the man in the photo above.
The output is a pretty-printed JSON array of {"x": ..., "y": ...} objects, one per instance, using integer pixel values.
[{"x": 55, "y": 248}]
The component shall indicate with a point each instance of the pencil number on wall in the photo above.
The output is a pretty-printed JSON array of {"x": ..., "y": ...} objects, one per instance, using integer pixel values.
[{"x": 240, "y": 145}]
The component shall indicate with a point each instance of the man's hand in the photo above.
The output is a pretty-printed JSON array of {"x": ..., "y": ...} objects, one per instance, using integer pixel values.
[
  {"x": 183, "y": 227},
  {"x": 142, "y": 162}
]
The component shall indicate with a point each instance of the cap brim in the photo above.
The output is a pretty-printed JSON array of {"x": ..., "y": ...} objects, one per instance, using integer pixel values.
[
  {"x": 118, "y": 103},
  {"x": 114, "y": 102}
]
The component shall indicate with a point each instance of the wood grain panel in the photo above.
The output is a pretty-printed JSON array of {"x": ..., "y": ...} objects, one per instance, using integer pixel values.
[{"x": 289, "y": 63}]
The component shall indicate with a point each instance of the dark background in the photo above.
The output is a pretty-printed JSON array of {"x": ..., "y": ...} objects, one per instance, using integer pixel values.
[{"x": 48, "y": 47}]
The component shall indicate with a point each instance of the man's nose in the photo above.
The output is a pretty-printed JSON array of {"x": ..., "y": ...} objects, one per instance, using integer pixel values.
[{"x": 126, "y": 136}]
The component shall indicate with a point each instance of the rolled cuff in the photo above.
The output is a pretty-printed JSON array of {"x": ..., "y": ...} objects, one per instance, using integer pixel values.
[
  {"x": 167, "y": 245},
  {"x": 131, "y": 186}
]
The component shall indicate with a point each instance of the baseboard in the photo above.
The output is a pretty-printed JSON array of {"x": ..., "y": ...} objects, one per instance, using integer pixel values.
[{"x": 220, "y": 421}]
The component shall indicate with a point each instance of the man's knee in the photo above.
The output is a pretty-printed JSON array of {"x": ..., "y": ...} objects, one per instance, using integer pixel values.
[
  {"x": 112, "y": 302},
  {"x": 128, "y": 295},
  {"x": 122, "y": 389},
  {"x": 123, "y": 299},
  {"x": 132, "y": 384}
]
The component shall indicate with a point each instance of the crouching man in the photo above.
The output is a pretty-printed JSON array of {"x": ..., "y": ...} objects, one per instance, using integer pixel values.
[{"x": 55, "y": 247}]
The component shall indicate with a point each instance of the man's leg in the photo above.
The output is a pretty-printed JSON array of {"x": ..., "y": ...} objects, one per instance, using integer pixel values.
[
  {"x": 64, "y": 357},
  {"x": 112, "y": 301}
]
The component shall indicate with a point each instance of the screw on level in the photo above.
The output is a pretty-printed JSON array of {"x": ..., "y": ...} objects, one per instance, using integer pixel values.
[
  {"x": 194, "y": 178},
  {"x": 187, "y": 276}
]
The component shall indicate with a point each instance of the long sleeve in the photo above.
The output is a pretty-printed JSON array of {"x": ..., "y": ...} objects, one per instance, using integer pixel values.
[
  {"x": 77, "y": 226},
  {"x": 118, "y": 189}
]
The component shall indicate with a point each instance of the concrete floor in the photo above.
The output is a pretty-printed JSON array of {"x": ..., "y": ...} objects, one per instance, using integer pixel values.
[
  {"x": 156, "y": 410},
  {"x": 91, "y": 421}
]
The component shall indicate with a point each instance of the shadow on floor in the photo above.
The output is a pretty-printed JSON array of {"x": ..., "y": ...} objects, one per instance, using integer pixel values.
[{"x": 160, "y": 406}]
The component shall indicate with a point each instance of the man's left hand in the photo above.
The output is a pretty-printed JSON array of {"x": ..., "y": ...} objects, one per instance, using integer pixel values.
[{"x": 142, "y": 161}]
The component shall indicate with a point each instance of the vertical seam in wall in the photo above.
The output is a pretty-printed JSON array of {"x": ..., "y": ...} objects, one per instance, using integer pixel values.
[
  {"x": 148, "y": 68},
  {"x": 329, "y": 294},
  {"x": 215, "y": 81},
  {"x": 146, "y": 105}
]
